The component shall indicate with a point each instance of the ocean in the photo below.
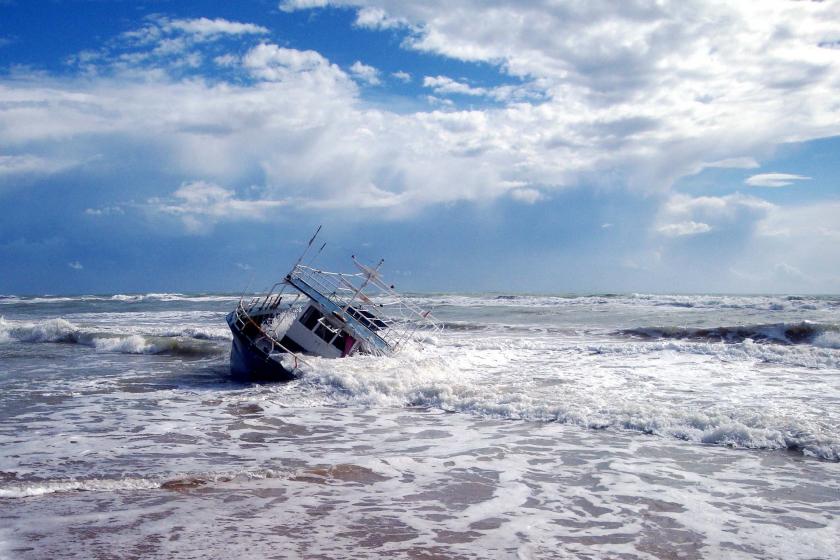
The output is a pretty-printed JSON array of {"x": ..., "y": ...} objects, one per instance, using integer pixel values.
[{"x": 533, "y": 426}]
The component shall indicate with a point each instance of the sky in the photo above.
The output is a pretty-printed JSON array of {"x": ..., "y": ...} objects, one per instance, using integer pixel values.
[{"x": 543, "y": 146}]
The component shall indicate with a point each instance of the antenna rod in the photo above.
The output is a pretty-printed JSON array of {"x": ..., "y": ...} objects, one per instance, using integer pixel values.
[
  {"x": 307, "y": 248},
  {"x": 311, "y": 262}
]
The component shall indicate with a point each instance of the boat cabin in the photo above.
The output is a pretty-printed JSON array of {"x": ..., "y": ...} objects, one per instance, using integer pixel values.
[{"x": 313, "y": 333}]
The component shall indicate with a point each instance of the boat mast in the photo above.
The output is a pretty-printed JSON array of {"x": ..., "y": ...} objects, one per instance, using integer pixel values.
[
  {"x": 300, "y": 259},
  {"x": 368, "y": 275}
]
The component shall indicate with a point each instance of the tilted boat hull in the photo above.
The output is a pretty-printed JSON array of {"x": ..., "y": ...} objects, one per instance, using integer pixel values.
[{"x": 249, "y": 362}]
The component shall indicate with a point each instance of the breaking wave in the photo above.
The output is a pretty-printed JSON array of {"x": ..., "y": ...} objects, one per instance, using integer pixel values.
[
  {"x": 805, "y": 332},
  {"x": 723, "y": 428},
  {"x": 16, "y": 488},
  {"x": 63, "y": 331},
  {"x": 136, "y": 298},
  {"x": 537, "y": 382},
  {"x": 117, "y": 298},
  {"x": 631, "y": 301}
]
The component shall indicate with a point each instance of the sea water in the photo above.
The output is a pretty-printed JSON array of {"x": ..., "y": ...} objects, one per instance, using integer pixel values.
[{"x": 603, "y": 426}]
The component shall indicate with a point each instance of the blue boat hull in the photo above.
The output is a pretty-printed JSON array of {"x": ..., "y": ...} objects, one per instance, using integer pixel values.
[{"x": 251, "y": 363}]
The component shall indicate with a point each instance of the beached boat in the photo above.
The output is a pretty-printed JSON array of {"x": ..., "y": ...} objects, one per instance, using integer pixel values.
[{"x": 314, "y": 312}]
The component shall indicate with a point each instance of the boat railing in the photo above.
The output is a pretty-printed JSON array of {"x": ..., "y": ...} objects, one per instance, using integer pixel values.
[
  {"x": 372, "y": 302},
  {"x": 242, "y": 317}
]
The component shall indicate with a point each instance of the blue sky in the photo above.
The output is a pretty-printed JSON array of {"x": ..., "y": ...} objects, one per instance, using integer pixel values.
[{"x": 483, "y": 146}]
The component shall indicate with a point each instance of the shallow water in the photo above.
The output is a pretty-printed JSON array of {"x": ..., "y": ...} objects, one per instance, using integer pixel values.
[{"x": 533, "y": 427}]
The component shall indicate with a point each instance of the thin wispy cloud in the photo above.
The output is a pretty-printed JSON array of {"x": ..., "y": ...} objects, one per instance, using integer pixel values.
[{"x": 775, "y": 180}]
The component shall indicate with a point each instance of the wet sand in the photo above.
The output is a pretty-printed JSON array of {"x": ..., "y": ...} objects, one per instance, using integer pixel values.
[{"x": 412, "y": 483}]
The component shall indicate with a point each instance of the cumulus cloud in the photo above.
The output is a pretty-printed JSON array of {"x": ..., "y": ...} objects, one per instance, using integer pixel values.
[
  {"x": 595, "y": 94},
  {"x": 365, "y": 73},
  {"x": 205, "y": 27},
  {"x": 377, "y": 18},
  {"x": 201, "y": 204},
  {"x": 528, "y": 196},
  {"x": 680, "y": 229},
  {"x": 164, "y": 43},
  {"x": 598, "y": 70},
  {"x": 774, "y": 180},
  {"x": 402, "y": 76},
  {"x": 292, "y": 5},
  {"x": 304, "y": 68},
  {"x": 795, "y": 249},
  {"x": 160, "y": 28},
  {"x": 443, "y": 85},
  {"x": 683, "y": 215}
]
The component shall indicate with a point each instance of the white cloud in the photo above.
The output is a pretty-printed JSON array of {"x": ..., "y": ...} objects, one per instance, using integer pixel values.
[
  {"x": 681, "y": 229},
  {"x": 105, "y": 211},
  {"x": 795, "y": 249},
  {"x": 637, "y": 79},
  {"x": 204, "y": 27},
  {"x": 528, "y": 196},
  {"x": 226, "y": 60},
  {"x": 292, "y": 5},
  {"x": 160, "y": 29},
  {"x": 163, "y": 42},
  {"x": 75, "y": 265},
  {"x": 682, "y": 215},
  {"x": 774, "y": 180},
  {"x": 734, "y": 163},
  {"x": 17, "y": 168},
  {"x": 365, "y": 73},
  {"x": 201, "y": 204},
  {"x": 402, "y": 76},
  {"x": 22, "y": 164},
  {"x": 377, "y": 18},
  {"x": 307, "y": 69},
  {"x": 443, "y": 85},
  {"x": 615, "y": 95}
]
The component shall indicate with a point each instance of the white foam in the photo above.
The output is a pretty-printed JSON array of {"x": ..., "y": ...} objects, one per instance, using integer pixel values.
[
  {"x": 30, "y": 489},
  {"x": 4, "y": 331},
  {"x": 50, "y": 330},
  {"x": 632, "y": 386},
  {"x": 134, "y": 344},
  {"x": 828, "y": 340},
  {"x": 26, "y": 489},
  {"x": 125, "y": 339},
  {"x": 199, "y": 333}
]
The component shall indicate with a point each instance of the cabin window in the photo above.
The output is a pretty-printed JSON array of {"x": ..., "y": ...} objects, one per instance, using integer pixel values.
[
  {"x": 310, "y": 318},
  {"x": 367, "y": 319},
  {"x": 340, "y": 340},
  {"x": 323, "y": 332}
]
